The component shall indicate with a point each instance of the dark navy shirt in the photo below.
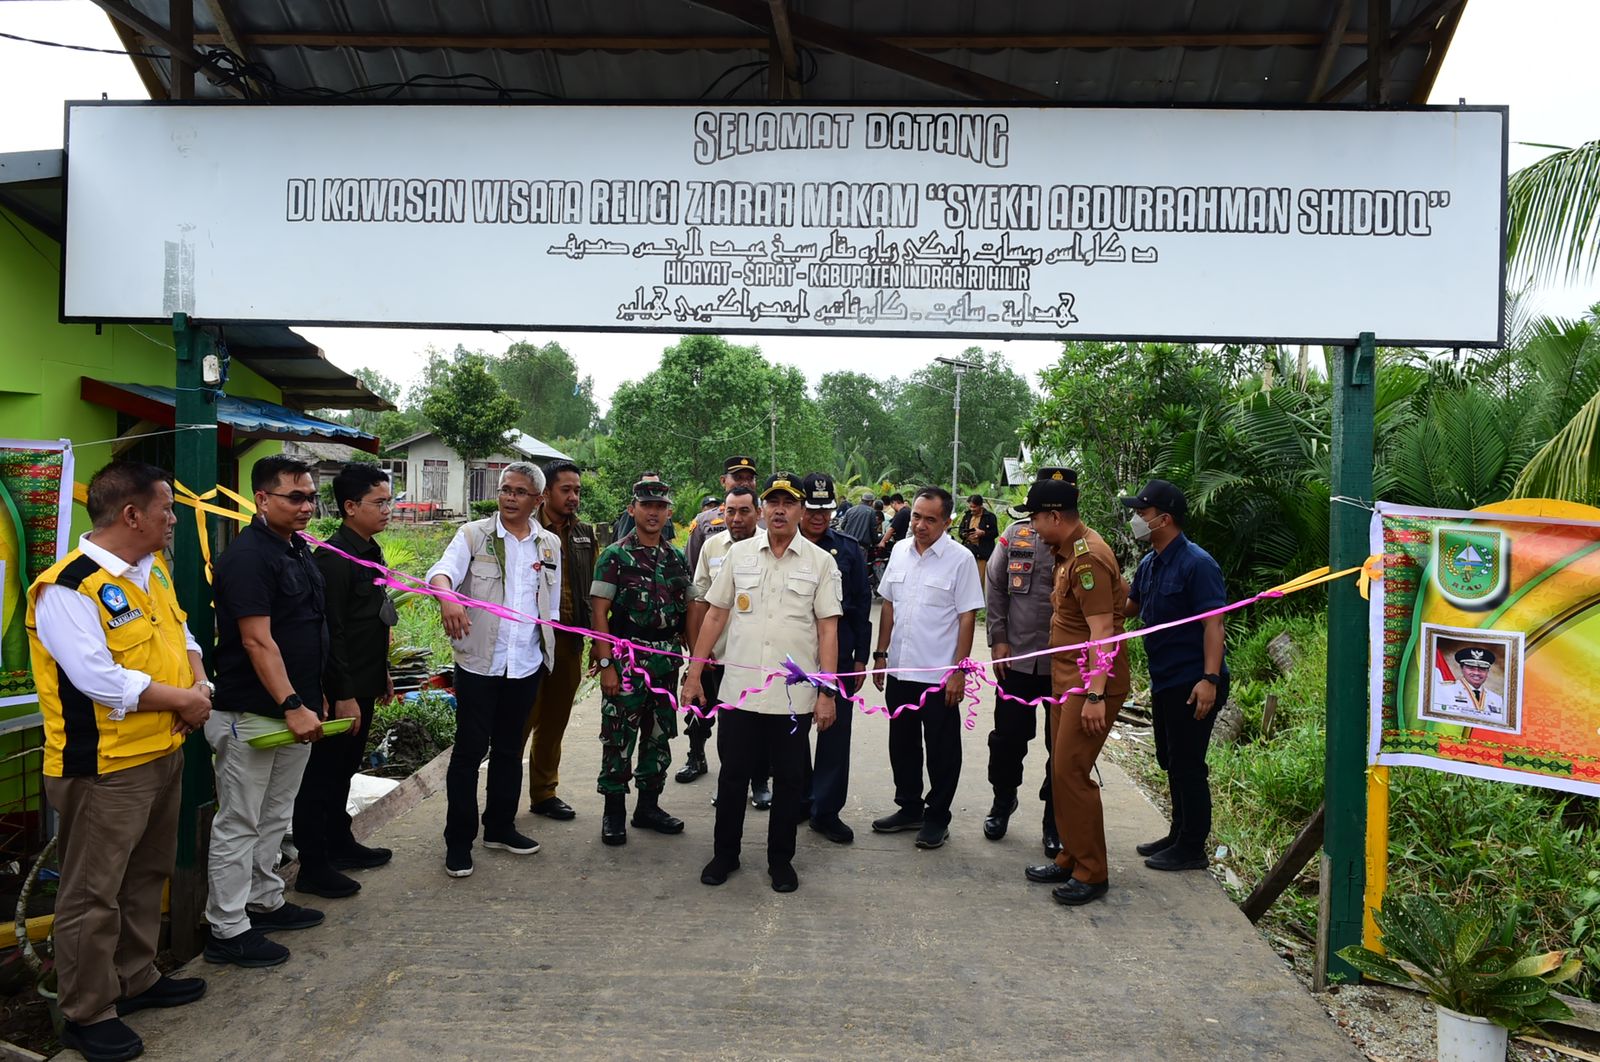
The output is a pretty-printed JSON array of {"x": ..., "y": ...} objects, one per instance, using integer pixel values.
[
  {"x": 1179, "y": 581},
  {"x": 261, "y": 574},
  {"x": 855, "y": 626}
]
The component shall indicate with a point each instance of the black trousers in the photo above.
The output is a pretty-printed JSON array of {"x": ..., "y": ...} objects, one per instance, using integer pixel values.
[
  {"x": 829, "y": 784},
  {"x": 321, "y": 823},
  {"x": 747, "y": 741},
  {"x": 1014, "y": 727},
  {"x": 490, "y": 712},
  {"x": 936, "y": 725},
  {"x": 699, "y": 730},
  {"x": 1181, "y": 744}
]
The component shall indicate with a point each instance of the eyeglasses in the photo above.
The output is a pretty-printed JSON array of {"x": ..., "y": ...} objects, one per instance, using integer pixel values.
[
  {"x": 517, "y": 493},
  {"x": 383, "y": 505},
  {"x": 294, "y": 497}
]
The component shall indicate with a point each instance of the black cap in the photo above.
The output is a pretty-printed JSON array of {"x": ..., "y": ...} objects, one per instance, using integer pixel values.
[
  {"x": 1159, "y": 494},
  {"x": 650, "y": 488},
  {"x": 708, "y": 501},
  {"x": 1057, "y": 472},
  {"x": 1050, "y": 495},
  {"x": 783, "y": 483},
  {"x": 818, "y": 489},
  {"x": 1475, "y": 656},
  {"x": 739, "y": 463}
]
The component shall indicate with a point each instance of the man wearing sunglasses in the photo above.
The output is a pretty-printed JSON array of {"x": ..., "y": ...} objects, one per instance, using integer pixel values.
[{"x": 272, "y": 649}]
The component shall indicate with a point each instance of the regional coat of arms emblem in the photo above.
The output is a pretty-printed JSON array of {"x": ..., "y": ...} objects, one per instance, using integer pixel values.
[{"x": 1471, "y": 565}]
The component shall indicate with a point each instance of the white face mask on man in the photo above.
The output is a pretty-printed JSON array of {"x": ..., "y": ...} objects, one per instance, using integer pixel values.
[{"x": 1141, "y": 529}]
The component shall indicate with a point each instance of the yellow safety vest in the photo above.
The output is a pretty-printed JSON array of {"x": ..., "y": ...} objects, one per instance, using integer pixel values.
[{"x": 144, "y": 631}]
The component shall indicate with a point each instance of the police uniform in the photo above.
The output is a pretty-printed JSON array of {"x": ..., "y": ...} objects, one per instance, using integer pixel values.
[
  {"x": 711, "y": 521},
  {"x": 648, "y": 591},
  {"x": 1021, "y": 579},
  {"x": 1462, "y": 698}
]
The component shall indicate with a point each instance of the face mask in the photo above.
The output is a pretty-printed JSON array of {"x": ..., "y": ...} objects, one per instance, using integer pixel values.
[{"x": 1140, "y": 529}]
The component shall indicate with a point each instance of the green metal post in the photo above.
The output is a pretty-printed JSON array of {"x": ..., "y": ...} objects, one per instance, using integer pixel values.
[
  {"x": 196, "y": 468},
  {"x": 1344, "y": 845}
]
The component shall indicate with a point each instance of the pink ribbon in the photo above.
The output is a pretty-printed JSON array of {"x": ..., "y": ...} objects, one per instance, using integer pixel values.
[{"x": 976, "y": 676}]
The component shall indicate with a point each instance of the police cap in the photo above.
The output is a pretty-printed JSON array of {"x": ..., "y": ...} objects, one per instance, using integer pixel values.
[
  {"x": 739, "y": 463},
  {"x": 782, "y": 483},
  {"x": 819, "y": 492},
  {"x": 1475, "y": 656}
]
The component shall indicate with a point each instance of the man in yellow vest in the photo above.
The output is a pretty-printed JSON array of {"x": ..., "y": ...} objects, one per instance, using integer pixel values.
[{"x": 120, "y": 685}]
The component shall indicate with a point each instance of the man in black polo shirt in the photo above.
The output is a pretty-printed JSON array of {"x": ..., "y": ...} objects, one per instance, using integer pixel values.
[
  {"x": 1188, "y": 679},
  {"x": 272, "y": 647},
  {"x": 360, "y": 615}
]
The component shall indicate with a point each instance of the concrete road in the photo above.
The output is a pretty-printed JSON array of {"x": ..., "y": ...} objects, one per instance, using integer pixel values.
[{"x": 885, "y": 952}]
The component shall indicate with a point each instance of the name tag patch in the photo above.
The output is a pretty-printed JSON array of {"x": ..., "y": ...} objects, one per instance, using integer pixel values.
[{"x": 126, "y": 617}]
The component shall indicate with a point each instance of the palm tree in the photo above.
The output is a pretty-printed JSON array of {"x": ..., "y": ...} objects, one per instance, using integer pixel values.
[{"x": 1555, "y": 214}]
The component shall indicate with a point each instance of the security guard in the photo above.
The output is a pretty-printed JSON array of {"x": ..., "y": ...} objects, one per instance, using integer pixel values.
[
  {"x": 1017, "y": 593},
  {"x": 1090, "y": 595},
  {"x": 738, "y": 471}
]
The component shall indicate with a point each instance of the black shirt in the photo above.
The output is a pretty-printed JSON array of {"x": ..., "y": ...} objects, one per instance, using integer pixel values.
[
  {"x": 359, "y": 617},
  {"x": 900, "y": 524},
  {"x": 263, "y": 575}
]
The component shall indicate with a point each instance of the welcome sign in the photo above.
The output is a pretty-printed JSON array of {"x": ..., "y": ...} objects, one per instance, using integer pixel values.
[{"x": 1060, "y": 222}]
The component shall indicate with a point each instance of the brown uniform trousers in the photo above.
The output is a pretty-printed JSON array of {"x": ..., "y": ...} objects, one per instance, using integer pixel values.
[
  {"x": 547, "y": 722},
  {"x": 1088, "y": 583},
  {"x": 118, "y": 840}
]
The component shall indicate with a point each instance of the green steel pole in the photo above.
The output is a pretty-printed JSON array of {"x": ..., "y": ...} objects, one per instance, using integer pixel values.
[
  {"x": 1344, "y": 844},
  {"x": 196, "y": 468}
]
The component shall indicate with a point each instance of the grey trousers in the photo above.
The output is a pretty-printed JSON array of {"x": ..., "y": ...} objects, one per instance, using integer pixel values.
[{"x": 255, "y": 804}]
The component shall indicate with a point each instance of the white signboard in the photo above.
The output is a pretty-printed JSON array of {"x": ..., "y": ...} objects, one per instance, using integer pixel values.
[{"x": 1288, "y": 225}]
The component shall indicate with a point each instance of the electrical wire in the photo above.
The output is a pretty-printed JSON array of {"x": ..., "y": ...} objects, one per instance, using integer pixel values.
[{"x": 80, "y": 47}]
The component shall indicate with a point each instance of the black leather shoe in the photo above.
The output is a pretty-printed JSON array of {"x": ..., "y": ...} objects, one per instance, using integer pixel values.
[
  {"x": 1075, "y": 893},
  {"x": 1174, "y": 858},
  {"x": 250, "y": 949},
  {"x": 166, "y": 992},
  {"x": 1048, "y": 874},
  {"x": 761, "y": 796},
  {"x": 355, "y": 856},
  {"x": 1052, "y": 844},
  {"x": 994, "y": 827},
  {"x": 649, "y": 816},
  {"x": 1150, "y": 848},
  {"x": 329, "y": 884},
  {"x": 284, "y": 917},
  {"x": 692, "y": 768},
  {"x": 614, "y": 823},
  {"x": 835, "y": 831},
  {"x": 931, "y": 836},
  {"x": 554, "y": 808},
  {"x": 900, "y": 821},
  {"x": 513, "y": 841},
  {"x": 784, "y": 879},
  {"x": 104, "y": 1041},
  {"x": 717, "y": 871}
]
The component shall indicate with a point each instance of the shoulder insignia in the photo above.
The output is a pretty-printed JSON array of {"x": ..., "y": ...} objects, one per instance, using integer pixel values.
[
  {"x": 1086, "y": 578},
  {"x": 115, "y": 601},
  {"x": 73, "y": 575},
  {"x": 715, "y": 520},
  {"x": 161, "y": 577},
  {"x": 1080, "y": 547}
]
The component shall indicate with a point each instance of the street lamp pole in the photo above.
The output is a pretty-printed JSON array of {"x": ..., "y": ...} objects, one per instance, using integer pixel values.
[{"x": 960, "y": 368}]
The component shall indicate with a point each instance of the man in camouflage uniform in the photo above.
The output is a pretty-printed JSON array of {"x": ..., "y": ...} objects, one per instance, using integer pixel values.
[
  {"x": 640, "y": 593},
  {"x": 738, "y": 471}
]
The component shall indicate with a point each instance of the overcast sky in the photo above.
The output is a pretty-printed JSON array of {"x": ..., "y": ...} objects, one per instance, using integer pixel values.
[{"x": 1534, "y": 55}]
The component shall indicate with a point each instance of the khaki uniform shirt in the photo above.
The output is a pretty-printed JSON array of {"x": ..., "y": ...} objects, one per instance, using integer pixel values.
[
  {"x": 1088, "y": 583},
  {"x": 773, "y": 606},
  {"x": 712, "y": 555}
]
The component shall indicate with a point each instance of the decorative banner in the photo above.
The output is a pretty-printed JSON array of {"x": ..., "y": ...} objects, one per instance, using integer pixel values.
[
  {"x": 35, "y": 528},
  {"x": 1485, "y": 637},
  {"x": 951, "y": 220}
]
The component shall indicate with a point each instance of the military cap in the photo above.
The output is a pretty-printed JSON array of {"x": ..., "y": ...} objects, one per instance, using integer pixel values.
[
  {"x": 709, "y": 501},
  {"x": 782, "y": 483},
  {"x": 1050, "y": 495},
  {"x": 1056, "y": 472},
  {"x": 650, "y": 488},
  {"x": 1475, "y": 656},
  {"x": 818, "y": 489},
  {"x": 739, "y": 463},
  {"x": 1159, "y": 494}
]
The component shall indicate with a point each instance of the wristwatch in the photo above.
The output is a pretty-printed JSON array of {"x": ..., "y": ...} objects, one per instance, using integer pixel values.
[
  {"x": 211, "y": 689},
  {"x": 603, "y": 663},
  {"x": 1093, "y": 698},
  {"x": 1215, "y": 680},
  {"x": 291, "y": 702},
  {"x": 880, "y": 656}
]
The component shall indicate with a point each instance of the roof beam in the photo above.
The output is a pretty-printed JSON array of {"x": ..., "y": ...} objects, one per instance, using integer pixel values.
[
  {"x": 1378, "y": 12},
  {"x": 783, "y": 65},
  {"x": 176, "y": 47},
  {"x": 1416, "y": 30},
  {"x": 1437, "y": 47},
  {"x": 180, "y": 15},
  {"x": 877, "y": 52},
  {"x": 227, "y": 35},
  {"x": 638, "y": 42},
  {"x": 1330, "y": 50},
  {"x": 142, "y": 66}
]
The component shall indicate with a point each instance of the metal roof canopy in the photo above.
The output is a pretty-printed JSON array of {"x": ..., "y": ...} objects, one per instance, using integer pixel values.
[
  {"x": 1152, "y": 52},
  {"x": 237, "y": 418}
]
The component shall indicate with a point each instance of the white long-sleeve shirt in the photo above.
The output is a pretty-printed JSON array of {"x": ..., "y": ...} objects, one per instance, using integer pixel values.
[
  {"x": 70, "y": 629},
  {"x": 517, "y": 649}
]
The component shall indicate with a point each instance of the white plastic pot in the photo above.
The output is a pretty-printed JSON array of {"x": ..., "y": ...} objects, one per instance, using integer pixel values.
[{"x": 1464, "y": 1038}]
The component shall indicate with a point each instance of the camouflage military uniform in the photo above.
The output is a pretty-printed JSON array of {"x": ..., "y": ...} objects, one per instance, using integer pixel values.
[{"x": 649, "y": 589}]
